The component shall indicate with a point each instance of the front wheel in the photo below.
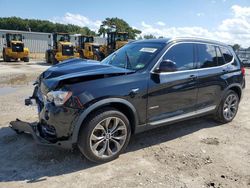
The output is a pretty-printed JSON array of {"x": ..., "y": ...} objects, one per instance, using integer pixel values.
[
  {"x": 26, "y": 59},
  {"x": 228, "y": 107},
  {"x": 105, "y": 135}
]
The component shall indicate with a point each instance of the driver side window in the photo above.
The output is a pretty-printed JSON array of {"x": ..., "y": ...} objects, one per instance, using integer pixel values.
[{"x": 182, "y": 56}]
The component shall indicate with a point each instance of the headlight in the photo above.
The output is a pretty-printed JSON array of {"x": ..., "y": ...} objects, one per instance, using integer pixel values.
[{"x": 58, "y": 97}]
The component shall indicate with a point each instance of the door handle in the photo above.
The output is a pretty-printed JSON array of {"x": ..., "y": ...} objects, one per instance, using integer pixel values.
[
  {"x": 193, "y": 77},
  {"x": 224, "y": 70}
]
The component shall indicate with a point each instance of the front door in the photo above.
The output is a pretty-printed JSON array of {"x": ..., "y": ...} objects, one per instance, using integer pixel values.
[{"x": 173, "y": 95}]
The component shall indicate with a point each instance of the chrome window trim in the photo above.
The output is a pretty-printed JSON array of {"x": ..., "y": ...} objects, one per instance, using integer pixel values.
[
  {"x": 192, "y": 70},
  {"x": 182, "y": 116}
]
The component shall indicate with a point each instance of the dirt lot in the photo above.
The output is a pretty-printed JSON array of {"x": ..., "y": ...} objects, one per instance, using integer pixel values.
[{"x": 196, "y": 153}]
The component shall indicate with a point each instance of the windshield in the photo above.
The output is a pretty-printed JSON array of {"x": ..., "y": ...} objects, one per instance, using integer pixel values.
[
  {"x": 121, "y": 37},
  {"x": 134, "y": 56},
  {"x": 89, "y": 39},
  {"x": 16, "y": 37},
  {"x": 63, "y": 37}
]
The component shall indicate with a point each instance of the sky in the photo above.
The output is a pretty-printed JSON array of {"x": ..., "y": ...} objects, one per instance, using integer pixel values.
[{"x": 223, "y": 20}]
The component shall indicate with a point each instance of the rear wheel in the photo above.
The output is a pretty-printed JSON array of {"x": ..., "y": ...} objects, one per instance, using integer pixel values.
[
  {"x": 228, "y": 107},
  {"x": 26, "y": 59},
  {"x": 98, "y": 56},
  {"x": 105, "y": 135},
  {"x": 81, "y": 54},
  {"x": 53, "y": 59},
  {"x": 5, "y": 57},
  {"x": 47, "y": 56}
]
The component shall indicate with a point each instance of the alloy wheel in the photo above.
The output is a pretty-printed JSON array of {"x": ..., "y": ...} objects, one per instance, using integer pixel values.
[
  {"x": 108, "y": 137},
  {"x": 230, "y": 107}
]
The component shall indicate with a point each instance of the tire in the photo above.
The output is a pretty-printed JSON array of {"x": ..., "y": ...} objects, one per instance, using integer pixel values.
[
  {"x": 99, "y": 146},
  {"x": 53, "y": 59},
  {"x": 228, "y": 107},
  {"x": 26, "y": 59},
  {"x": 81, "y": 54},
  {"x": 5, "y": 57},
  {"x": 98, "y": 56},
  {"x": 47, "y": 56}
]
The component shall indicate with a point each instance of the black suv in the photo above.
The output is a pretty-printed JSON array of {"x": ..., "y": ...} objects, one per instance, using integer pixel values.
[{"x": 143, "y": 85}]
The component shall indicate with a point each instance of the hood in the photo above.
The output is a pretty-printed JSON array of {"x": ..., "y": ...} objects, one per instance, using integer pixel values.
[{"x": 79, "y": 70}]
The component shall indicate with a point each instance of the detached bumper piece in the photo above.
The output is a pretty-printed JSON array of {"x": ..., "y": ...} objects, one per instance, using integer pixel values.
[{"x": 33, "y": 129}]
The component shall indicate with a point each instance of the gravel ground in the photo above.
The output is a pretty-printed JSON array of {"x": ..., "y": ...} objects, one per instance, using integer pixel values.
[{"x": 195, "y": 153}]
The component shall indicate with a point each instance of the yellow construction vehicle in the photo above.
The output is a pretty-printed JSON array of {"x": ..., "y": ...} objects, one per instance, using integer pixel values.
[
  {"x": 62, "y": 49},
  {"x": 87, "y": 49},
  {"x": 115, "y": 40},
  {"x": 14, "y": 48}
]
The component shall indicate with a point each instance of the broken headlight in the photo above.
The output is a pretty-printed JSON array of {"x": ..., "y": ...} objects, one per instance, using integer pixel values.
[{"x": 58, "y": 97}]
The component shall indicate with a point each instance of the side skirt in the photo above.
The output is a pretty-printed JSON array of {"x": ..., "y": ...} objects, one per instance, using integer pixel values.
[{"x": 162, "y": 122}]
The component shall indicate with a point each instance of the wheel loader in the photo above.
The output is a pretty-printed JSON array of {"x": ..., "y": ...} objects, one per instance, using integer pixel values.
[
  {"x": 115, "y": 40},
  {"x": 61, "y": 49},
  {"x": 87, "y": 49},
  {"x": 14, "y": 48}
]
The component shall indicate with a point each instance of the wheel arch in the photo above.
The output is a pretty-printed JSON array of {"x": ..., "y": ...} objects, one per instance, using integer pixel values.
[
  {"x": 236, "y": 88},
  {"x": 121, "y": 105}
]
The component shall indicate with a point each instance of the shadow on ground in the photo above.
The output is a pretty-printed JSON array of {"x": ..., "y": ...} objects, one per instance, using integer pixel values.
[{"x": 21, "y": 159}]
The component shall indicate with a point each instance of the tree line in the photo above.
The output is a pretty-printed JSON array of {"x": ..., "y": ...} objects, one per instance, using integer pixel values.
[{"x": 35, "y": 25}]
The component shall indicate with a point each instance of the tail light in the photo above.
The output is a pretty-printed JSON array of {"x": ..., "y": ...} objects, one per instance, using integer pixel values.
[{"x": 243, "y": 71}]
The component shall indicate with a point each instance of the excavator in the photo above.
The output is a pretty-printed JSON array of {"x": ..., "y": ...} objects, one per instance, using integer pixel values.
[
  {"x": 61, "y": 50},
  {"x": 87, "y": 49},
  {"x": 14, "y": 48}
]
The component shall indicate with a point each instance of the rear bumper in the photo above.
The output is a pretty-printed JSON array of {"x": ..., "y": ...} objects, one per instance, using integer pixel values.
[
  {"x": 34, "y": 129},
  {"x": 12, "y": 54}
]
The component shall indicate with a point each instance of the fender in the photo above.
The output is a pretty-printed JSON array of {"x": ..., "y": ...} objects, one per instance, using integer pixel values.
[
  {"x": 94, "y": 106},
  {"x": 231, "y": 86}
]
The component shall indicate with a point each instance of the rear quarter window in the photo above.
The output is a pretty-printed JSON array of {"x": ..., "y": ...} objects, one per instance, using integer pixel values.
[
  {"x": 220, "y": 57},
  {"x": 226, "y": 54}
]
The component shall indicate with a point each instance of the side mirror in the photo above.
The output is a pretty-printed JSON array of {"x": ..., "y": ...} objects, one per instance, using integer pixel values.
[
  {"x": 23, "y": 37},
  {"x": 3, "y": 36},
  {"x": 167, "y": 66}
]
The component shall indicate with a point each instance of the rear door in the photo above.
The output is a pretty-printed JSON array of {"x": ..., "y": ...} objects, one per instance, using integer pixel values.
[
  {"x": 211, "y": 69},
  {"x": 173, "y": 94}
]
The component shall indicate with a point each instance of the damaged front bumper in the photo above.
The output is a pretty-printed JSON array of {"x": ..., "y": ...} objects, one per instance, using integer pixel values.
[
  {"x": 33, "y": 129},
  {"x": 53, "y": 127}
]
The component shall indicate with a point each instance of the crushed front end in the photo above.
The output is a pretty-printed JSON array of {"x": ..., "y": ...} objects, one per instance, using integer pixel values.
[{"x": 56, "y": 118}]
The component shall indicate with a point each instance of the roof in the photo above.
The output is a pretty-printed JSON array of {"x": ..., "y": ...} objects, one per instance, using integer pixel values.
[{"x": 179, "y": 39}]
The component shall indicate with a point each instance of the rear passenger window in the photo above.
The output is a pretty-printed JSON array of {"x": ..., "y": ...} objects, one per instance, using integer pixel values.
[
  {"x": 220, "y": 58},
  {"x": 227, "y": 54},
  {"x": 182, "y": 55},
  {"x": 206, "y": 56}
]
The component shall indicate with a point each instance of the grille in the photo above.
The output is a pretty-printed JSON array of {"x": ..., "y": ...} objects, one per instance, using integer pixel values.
[
  {"x": 67, "y": 50},
  {"x": 17, "y": 47}
]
